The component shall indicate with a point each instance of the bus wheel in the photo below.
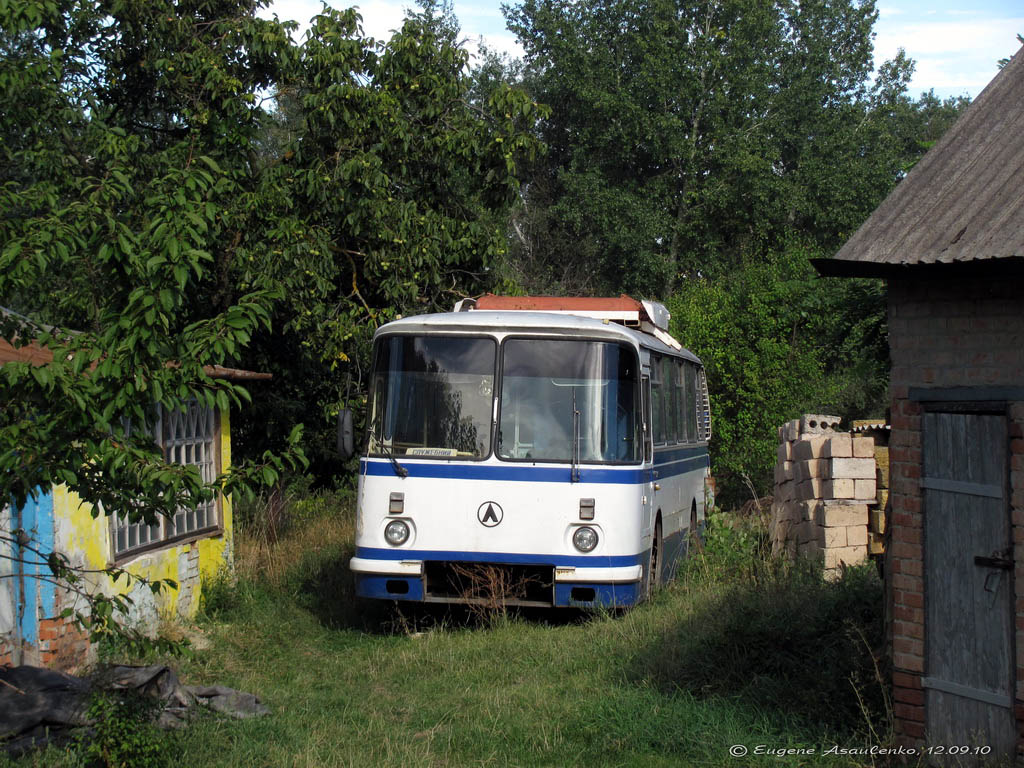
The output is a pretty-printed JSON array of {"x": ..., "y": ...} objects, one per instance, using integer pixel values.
[
  {"x": 653, "y": 579},
  {"x": 696, "y": 543}
]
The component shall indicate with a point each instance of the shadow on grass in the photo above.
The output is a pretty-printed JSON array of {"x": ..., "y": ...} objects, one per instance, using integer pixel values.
[{"x": 781, "y": 639}]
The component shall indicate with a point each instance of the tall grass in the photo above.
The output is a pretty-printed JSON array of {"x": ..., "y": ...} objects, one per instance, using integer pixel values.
[{"x": 738, "y": 650}]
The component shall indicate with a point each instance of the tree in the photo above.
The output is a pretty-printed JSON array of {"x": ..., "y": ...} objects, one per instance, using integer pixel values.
[
  {"x": 154, "y": 225},
  {"x": 398, "y": 184},
  {"x": 684, "y": 136}
]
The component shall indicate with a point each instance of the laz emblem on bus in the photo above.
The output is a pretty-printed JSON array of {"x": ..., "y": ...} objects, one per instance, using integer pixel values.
[{"x": 490, "y": 513}]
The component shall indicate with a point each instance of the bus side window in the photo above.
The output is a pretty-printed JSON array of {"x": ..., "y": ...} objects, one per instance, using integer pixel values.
[
  {"x": 679, "y": 402},
  {"x": 671, "y": 400},
  {"x": 645, "y": 407},
  {"x": 657, "y": 401}
]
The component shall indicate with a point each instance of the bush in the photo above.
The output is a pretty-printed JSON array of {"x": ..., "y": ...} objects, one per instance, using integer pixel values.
[
  {"x": 123, "y": 733},
  {"x": 777, "y": 633}
]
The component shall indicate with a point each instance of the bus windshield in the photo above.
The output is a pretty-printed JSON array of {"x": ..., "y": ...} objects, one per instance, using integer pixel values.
[
  {"x": 546, "y": 381},
  {"x": 432, "y": 396}
]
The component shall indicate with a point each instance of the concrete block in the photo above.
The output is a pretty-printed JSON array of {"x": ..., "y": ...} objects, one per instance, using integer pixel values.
[
  {"x": 809, "y": 510},
  {"x": 809, "y": 448},
  {"x": 876, "y": 544},
  {"x": 853, "y": 469},
  {"x": 785, "y": 492},
  {"x": 818, "y": 424},
  {"x": 856, "y": 535},
  {"x": 882, "y": 475},
  {"x": 811, "y": 488},
  {"x": 784, "y": 452},
  {"x": 809, "y": 549},
  {"x": 791, "y": 549},
  {"x": 835, "y": 537},
  {"x": 836, "y": 513},
  {"x": 791, "y": 430},
  {"x": 849, "y": 555},
  {"x": 841, "y": 488},
  {"x": 864, "y": 447},
  {"x": 864, "y": 489},
  {"x": 783, "y": 471},
  {"x": 803, "y": 470},
  {"x": 876, "y": 521},
  {"x": 882, "y": 497},
  {"x": 838, "y": 446},
  {"x": 801, "y": 532}
]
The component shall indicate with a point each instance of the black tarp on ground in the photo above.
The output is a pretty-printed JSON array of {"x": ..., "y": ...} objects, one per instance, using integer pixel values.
[{"x": 40, "y": 706}]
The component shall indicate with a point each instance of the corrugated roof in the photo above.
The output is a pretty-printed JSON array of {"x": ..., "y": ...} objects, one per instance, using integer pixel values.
[{"x": 963, "y": 201}]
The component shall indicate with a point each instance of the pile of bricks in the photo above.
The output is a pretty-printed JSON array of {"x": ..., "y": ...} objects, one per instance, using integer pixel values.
[{"x": 825, "y": 485}]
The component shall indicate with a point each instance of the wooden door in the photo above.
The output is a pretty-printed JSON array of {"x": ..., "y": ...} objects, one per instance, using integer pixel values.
[{"x": 969, "y": 672}]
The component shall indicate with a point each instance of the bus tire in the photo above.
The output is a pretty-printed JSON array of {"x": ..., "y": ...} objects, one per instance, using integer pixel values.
[
  {"x": 653, "y": 575},
  {"x": 696, "y": 542}
]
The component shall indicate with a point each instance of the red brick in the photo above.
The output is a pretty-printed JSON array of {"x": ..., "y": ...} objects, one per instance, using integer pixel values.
[
  {"x": 908, "y": 661},
  {"x": 909, "y": 696},
  {"x": 905, "y": 520},
  {"x": 906, "y": 549},
  {"x": 908, "y": 646},
  {"x": 911, "y": 599},
  {"x": 905, "y": 613},
  {"x": 911, "y": 629},
  {"x": 906, "y": 582},
  {"x": 913, "y": 729},
  {"x": 908, "y": 712},
  {"x": 906, "y": 534},
  {"x": 911, "y": 566},
  {"x": 906, "y": 680}
]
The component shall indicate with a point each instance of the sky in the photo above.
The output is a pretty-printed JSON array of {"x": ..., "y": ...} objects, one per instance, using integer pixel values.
[{"x": 955, "y": 43}]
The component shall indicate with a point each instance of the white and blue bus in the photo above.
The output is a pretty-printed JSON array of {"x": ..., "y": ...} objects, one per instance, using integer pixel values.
[{"x": 561, "y": 454}]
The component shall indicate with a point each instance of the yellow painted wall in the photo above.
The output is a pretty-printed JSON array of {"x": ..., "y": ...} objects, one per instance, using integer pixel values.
[{"x": 86, "y": 541}]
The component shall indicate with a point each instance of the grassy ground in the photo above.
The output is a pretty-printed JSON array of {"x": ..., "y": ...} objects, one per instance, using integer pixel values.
[{"x": 737, "y": 651}]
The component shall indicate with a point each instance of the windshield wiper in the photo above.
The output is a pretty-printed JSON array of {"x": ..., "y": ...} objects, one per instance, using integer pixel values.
[{"x": 386, "y": 450}]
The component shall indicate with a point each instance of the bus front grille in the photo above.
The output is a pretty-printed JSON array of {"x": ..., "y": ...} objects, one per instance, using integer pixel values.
[{"x": 489, "y": 583}]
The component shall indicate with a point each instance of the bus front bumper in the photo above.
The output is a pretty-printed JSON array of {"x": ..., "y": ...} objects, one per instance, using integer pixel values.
[{"x": 572, "y": 585}]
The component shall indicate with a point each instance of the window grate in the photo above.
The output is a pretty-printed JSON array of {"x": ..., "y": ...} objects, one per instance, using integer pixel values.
[{"x": 187, "y": 437}]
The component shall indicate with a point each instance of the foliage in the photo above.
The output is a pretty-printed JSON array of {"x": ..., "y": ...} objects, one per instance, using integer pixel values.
[
  {"x": 777, "y": 632},
  {"x": 702, "y": 153},
  {"x": 118, "y": 209},
  {"x": 397, "y": 180},
  {"x": 685, "y": 136},
  {"x": 159, "y": 222},
  {"x": 122, "y": 732},
  {"x": 755, "y": 331}
]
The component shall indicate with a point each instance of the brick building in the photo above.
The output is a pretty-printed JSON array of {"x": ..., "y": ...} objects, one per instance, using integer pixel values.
[{"x": 949, "y": 241}]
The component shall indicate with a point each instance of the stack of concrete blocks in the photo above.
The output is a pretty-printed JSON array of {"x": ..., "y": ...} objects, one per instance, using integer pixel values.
[
  {"x": 825, "y": 484},
  {"x": 878, "y": 516}
]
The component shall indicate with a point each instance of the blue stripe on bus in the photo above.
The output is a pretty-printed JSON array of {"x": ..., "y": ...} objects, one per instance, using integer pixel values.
[
  {"x": 581, "y": 561},
  {"x": 669, "y": 463}
]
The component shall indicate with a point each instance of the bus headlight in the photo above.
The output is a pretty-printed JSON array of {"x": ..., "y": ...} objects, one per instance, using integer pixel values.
[
  {"x": 397, "y": 533},
  {"x": 584, "y": 539}
]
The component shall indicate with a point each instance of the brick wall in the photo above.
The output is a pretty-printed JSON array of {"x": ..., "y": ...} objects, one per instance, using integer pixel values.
[{"x": 953, "y": 333}]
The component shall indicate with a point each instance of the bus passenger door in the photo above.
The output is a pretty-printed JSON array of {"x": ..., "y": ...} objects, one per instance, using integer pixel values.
[{"x": 648, "y": 502}]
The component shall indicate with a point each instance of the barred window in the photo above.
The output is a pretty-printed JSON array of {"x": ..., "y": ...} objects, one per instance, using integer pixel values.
[{"x": 186, "y": 437}]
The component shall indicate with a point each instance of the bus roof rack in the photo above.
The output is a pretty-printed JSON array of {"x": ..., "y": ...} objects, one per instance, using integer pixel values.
[{"x": 648, "y": 316}]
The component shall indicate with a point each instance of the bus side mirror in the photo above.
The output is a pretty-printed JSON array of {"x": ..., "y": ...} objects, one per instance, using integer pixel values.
[{"x": 346, "y": 440}]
